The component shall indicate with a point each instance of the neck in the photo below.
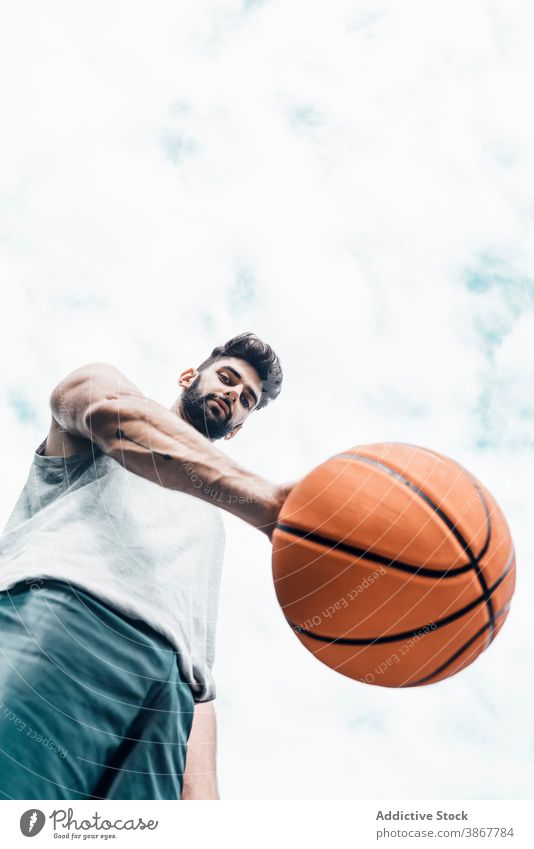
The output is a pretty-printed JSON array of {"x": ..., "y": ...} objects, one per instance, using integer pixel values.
[{"x": 178, "y": 411}]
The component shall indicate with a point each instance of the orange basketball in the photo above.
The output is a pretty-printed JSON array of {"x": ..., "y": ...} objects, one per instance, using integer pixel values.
[{"x": 393, "y": 565}]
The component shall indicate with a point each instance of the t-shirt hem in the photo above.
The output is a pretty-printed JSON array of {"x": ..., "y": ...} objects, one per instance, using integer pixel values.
[{"x": 209, "y": 698}]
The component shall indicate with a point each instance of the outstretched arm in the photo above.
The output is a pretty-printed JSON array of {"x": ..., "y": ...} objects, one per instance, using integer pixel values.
[{"x": 100, "y": 404}]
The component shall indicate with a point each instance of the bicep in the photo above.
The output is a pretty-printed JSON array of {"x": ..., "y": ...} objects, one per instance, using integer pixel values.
[{"x": 84, "y": 388}]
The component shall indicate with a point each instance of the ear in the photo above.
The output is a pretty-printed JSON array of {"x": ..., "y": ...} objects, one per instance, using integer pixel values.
[
  {"x": 233, "y": 432},
  {"x": 187, "y": 376}
]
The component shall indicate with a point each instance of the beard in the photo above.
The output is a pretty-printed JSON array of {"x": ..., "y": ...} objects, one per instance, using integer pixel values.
[{"x": 202, "y": 415}]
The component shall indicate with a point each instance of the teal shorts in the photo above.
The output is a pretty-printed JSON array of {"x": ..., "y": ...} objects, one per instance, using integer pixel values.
[{"x": 92, "y": 705}]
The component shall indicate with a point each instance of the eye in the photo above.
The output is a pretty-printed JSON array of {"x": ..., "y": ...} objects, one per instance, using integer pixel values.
[
  {"x": 245, "y": 402},
  {"x": 225, "y": 380}
]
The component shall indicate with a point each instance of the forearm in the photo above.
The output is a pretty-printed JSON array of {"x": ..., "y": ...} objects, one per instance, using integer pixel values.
[
  {"x": 200, "y": 775},
  {"x": 155, "y": 443}
]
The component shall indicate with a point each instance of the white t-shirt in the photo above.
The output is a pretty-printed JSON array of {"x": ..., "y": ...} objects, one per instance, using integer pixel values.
[{"x": 154, "y": 553}]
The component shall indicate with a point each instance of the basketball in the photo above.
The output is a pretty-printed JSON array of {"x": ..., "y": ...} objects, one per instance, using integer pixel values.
[{"x": 393, "y": 565}]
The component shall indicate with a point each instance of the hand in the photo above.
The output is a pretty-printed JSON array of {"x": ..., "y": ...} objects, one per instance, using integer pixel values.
[{"x": 280, "y": 494}]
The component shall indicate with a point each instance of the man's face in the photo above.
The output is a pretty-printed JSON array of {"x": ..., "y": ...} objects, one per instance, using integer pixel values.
[{"x": 217, "y": 400}]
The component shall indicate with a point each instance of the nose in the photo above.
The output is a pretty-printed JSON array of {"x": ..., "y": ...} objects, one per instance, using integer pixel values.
[{"x": 231, "y": 394}]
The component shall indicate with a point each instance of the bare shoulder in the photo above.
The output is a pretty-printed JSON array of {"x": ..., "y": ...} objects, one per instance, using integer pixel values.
[
  {"x": 72, "y": 396},
  {"x": 93, "y": 378}
]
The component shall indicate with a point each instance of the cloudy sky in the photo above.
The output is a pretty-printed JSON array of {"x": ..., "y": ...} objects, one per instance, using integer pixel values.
[{"x": 353, "y": 181}]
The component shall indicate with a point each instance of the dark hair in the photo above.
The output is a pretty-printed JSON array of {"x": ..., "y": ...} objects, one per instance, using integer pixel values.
[{"x": 247, "y": 346}]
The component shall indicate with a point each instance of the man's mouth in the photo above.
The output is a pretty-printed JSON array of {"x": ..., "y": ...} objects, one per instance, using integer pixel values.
[{"x": 223, "y": 405}]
